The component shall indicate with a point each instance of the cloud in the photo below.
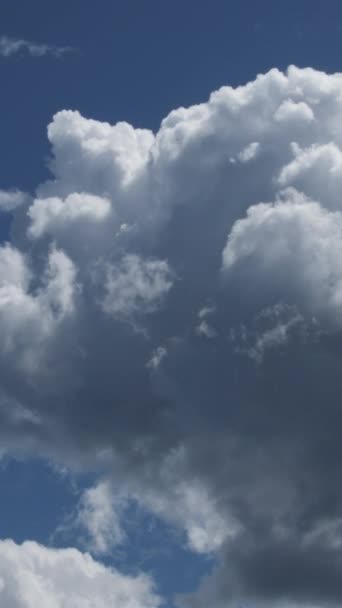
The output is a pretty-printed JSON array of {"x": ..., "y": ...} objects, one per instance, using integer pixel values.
[
  {"x": 316, "y": 170},
  {"x": 135, "y": 286},
  {"x": 100, "y": 514},
  {"x": 98, "y": 517},
  {"x": 18, "y": 46},
  {"x": 273, "y": 328},
  {"x": 11, "y": 199},
  {"x": 170, "y": 314},
  {"x": 189, "y": 505},
  {"x": 34, "y": 575},
  {"x": 53, "y": 214},
  {"x": 29, "y": 318},
  {"x": 285, "y": 247},
  {"x": 157, "y": 357},
  {"x": 290, "y": 110},
  {"x": 204, "y": 329},
  {"x": 274, "y": 569}
]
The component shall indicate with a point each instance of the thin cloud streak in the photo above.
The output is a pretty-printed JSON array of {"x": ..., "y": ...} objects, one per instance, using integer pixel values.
[{"x": 18, "y": 46}]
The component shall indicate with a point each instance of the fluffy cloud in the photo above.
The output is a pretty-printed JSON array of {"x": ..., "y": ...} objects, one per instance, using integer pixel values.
[
  {"x": 292, "y": 251},
  {"x": 53, "y": 214},
  {"x": 98, "y": 518},
  {"x": 32, "y": 575},
  {"x": 28, "y": 316},
  {"x": 96, "y": 156},
  {"x": 316, "y": 170},
  {"x": 181, "y": 293}
]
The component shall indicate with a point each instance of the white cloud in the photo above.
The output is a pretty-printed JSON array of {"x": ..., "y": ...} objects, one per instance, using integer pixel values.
[
  {"x": 28, "y": 318},
  {"x": 32, "y": 575},
  {"x": 317, "y": 171},
  {"x": 17, "y": 46},
  {"x": 98, "y": 515},
  {"x": 53, "y": 215},
  {"x": 13, "y": 269},
  {"x": 187, "y": 504},
  {"x": 293, "y": 245},
  {"x": 187, "y": 226},
  {"x": 95, "y": 155},
  {"x": 206, "y": 330},
  {"x": 290, "y": 110},
  {"x": 164, "y": 491},
  {"x": 249, "y": 152},
  {"x": 135, "y": 285},
  {"x": 11, "y": 199},
  {"x": 157, "y": 357},
  {"x": 206, "y": 311}
]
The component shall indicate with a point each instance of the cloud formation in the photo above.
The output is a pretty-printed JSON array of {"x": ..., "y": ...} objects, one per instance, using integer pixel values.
[
  {"x": 171, "y": 311},
  {"x": 11, "y": 199},
  {"x": 17, "y": 46},
  {"x": 53, "y": 214},
  {"x": 32, "y": 575}
]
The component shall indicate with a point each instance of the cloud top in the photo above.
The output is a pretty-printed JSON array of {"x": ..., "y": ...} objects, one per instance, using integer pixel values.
[{"x": 34, "y": 575}]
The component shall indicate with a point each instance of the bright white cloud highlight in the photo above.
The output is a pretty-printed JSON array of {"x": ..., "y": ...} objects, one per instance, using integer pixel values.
[
  {"x": 293, "y": 244},
  {"x": 98, "y": 516},
  {"x": 33, "y": 576},
  {"x": 53, "y": 215},
  {"x": 29, "y": 317}
]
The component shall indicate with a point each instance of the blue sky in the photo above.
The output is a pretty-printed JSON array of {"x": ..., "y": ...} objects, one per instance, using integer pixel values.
[
  {"x": 148, "y": 361},
  {"x": 25, "y": 515}
]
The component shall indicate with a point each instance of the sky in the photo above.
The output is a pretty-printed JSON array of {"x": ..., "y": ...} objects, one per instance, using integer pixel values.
[{"x": 170, "y": 304}]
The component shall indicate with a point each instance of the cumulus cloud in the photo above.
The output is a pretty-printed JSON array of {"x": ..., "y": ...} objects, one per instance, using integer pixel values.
[
  {"x": 99, "y": 156},
  {"x": 293, "y": 245},
  {"x": 290, "y": 110},
  {"x": 182, "y": 293},
  {"x": 28, "y": 317},
  {"x": 17, "y": 46},
  {"x": 53, "y": 214},
  {"x": 315, "y": 170},
  {"x": 32, "y": 575}
]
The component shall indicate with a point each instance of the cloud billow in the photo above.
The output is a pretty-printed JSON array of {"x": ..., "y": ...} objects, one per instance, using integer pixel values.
[
  {"x": 34, "y": 575},
  {"x": 171, "y": 306}
]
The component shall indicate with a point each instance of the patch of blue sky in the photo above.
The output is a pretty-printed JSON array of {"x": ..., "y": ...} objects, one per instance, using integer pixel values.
[{"x": 37, "y": 499}]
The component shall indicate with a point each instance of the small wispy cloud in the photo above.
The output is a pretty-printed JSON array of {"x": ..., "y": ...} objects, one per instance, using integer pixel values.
[
  {"x": 15, "y": 46},
  {"x": 11, "y": 199}
]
